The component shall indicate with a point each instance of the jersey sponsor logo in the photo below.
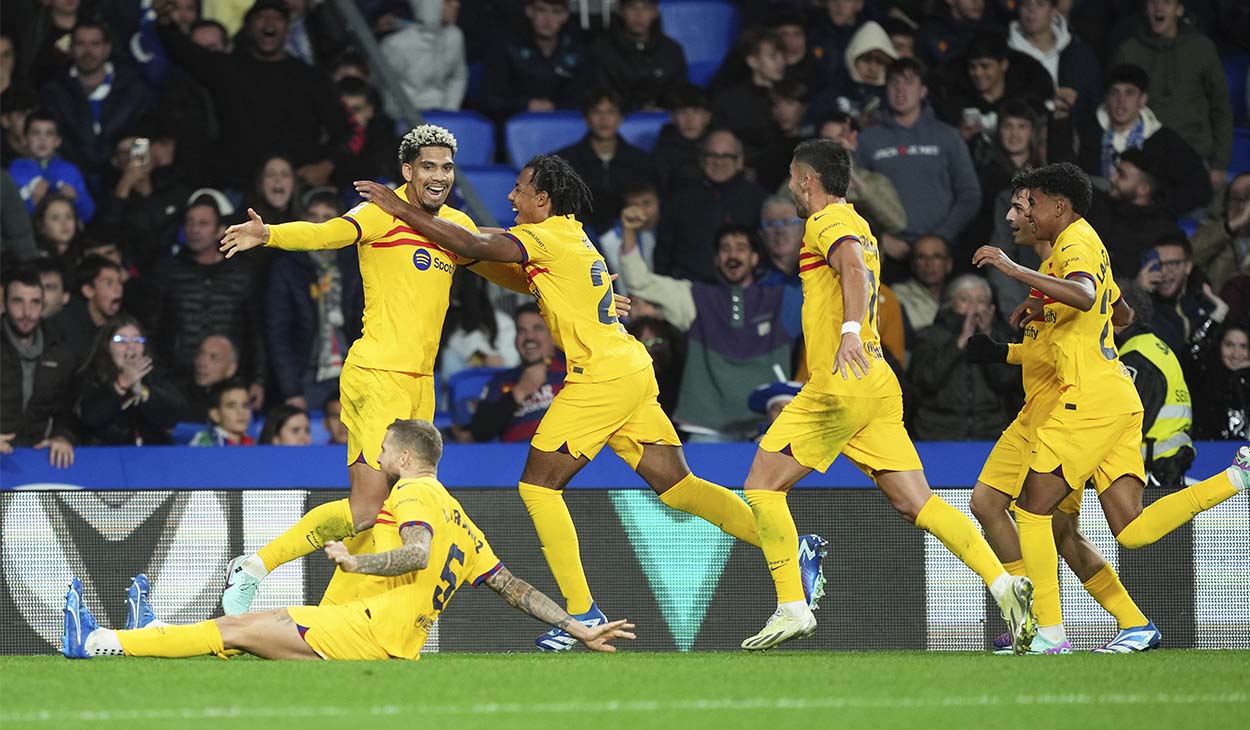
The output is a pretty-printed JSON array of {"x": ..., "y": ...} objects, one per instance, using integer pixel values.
[{"x": 421, "y": 259}]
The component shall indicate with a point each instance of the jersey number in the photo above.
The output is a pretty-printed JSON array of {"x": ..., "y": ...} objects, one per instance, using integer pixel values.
[
  {"x": 599, "y": 277},
  {"x": 1107, "y": 352},
  {"x": 445, "y": 589}
]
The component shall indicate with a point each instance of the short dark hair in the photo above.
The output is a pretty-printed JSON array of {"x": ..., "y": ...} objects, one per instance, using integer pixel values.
[
  {"x": 210, "y": 23},
  {"x": 737, "y": 229},
  {"x": 218, "y": 391},
  {"x": 527, "y": 308},
  {"x": 51, "y": 265},
  {"x": 90, "y": 267},
  {"x": 276, "y": 419},
  {"x": 838, "y": 116},
  {"x": 1177, "y": 238},
  {"x": 418, "y": 436},
  {"x": 987, "y": 45},
  {"x": 88, "y": 23},
  {"x": 783, "y": 16},
  {"x": 323, "y": 196},
  {"x": 790, "y": 89},
  {"x": 355, "y": 86},
  {"x": 754, "y": 39},
  {"x": 1020, "y": 180},
  {"x": 1066, "y": 180},
  {"x": 906, "y": 65},
  {"x": 204, "y": 201},
  {"x": 689, "y": 96},
  {"x": 335, "y": 396},
  {"x": 898, "y": 26},
  {"x": 1128, "y": 73},
  {"x": 640, "y": 187},
  {"x": 25, "y": 273},
  {"x": 599, "y": 95},
  {"x": 40, "y": 115},
  {"x": 554, "y": 176},
  {"x": 1018, "y": 108},
  {"x": 830, "y": 160}
]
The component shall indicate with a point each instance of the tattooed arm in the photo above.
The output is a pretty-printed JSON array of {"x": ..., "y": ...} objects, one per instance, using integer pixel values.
[
  {"x": 527, "y": 598},
  {"x": 414, "y": 554}
]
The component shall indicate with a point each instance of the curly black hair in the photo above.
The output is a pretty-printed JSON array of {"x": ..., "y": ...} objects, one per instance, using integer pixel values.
[
  {"x": 1063, "y": 179},
  {"x": 554, "y": 176}
]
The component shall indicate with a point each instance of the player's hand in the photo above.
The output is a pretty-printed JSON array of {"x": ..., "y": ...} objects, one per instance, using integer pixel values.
[
  {"x": 996, "y": 257},
  {"x": 383, "y": 197},
  {"x": 599, "y": 638},
  {"x": 245, "y": 236},
  {"x": 623, "y": 304},
  {"x": 60, "y": 451},
  {"x": 5, "y": 446},
  {"x": 850, "y": 357},
  {"x": 1026, "y": 311},
  {"x": 337, "y": 553}
]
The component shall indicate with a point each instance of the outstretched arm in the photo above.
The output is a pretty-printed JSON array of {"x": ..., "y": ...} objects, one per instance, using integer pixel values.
[
  {"x": 460, "y": 240},
  {"x": 1077, "y": 292},
  {"x": 293, "y": 236},
  {"x": 527, "y": 598},
  {"x": 414, "y": 554}
]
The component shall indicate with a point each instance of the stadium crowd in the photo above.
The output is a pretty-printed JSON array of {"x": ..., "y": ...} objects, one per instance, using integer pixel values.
[{"x": 135, "y": 131}]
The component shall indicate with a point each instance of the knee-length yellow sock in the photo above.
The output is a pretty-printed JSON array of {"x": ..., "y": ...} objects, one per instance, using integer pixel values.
[
  {"x": 173, "y": 642},
  {"x": 715, "y": 504},
  {"x": 330, "y": 521},
  {"x": 555, "y": 530},
  {"x": 959, "y": 536},
  {"x": 779, "y": 540},
  {"x": 1041, "y": 562},
  {"x": 1014, "y": 567},
  {"x": 1174, "y": 510},
  {"x": 1110, "y": 593}
]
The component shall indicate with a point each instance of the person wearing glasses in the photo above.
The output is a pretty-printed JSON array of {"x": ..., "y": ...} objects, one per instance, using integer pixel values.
[
  {"x": 123, "y": 397},
  {"x": 1186, "y": 308}
]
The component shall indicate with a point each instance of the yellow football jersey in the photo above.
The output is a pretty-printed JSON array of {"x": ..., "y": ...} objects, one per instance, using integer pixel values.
[
  {"x": 1037, "y": 364},
  {"x": 1087, "y": 365},
  {"x": 574, "y": 291},
  {"x": 407, "y": 282},
  {"x": 836, "y": 224},
  {"x": 404, "y": 607}
]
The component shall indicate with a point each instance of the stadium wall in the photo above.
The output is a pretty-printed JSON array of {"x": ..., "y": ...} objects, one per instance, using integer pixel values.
[{"x": 179, "y": 514}]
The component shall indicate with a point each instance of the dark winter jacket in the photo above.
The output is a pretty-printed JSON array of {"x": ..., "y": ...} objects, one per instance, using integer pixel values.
[
  {"x": 92, "y": 150},
  {"x": 106, "y": 423},
  {"x": 516, "y": 72},
  {"x": 608, "y": 180},
  {"x": 1129, "y": 231},
  {"x": 685, "y": 243},
  {"x": 49, "y": 411},
  {"x": 644, "y": 74},
  {"x": 676, "y": 159}
]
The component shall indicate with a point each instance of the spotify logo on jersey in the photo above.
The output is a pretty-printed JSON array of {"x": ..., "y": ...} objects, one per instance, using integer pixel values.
[{"x": 422, "y": 259}]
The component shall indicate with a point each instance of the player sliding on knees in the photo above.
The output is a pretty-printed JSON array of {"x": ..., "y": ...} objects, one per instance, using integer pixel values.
[
  {"x": 852, "y": 405},
  {"x": 429, "y": 551},
  {"x": 610, "y": 392},
  {"x": 1093, "y": 430}
]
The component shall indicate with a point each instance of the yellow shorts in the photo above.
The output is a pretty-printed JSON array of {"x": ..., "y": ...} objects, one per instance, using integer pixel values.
[
  {"x": 624, "y": 414},
  {"x": 815, "y": 427},
  {"x": 1102, "y": 448},
  {"x": 373, "y": 399},
  {"x": 338, "y": 632},
  {"x": 1008, "y": 465}
]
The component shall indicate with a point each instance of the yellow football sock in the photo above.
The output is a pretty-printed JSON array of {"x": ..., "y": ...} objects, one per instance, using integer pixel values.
[
  {"x": 959, "y": 536},
  {"x": 330, "y": 521},
  {"x": 1014, "y": 567},
  {"x": 173, "y": 642},
  {"x": 779, "y": 540},
  {"x": 1174, "y": 510},
  {"x": 715, "y": 504},
  {"x": 554, "y": 526},
  {"x": 1041, "y": 561},
  {"x": 1107, "y": 589}
]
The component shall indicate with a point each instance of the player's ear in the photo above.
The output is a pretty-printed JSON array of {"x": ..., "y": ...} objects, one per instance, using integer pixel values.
[{"x": 406, "y": 170}]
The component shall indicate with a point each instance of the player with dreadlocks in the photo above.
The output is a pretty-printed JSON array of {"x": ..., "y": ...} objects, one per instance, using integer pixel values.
[{"x": 610, "y": 393}]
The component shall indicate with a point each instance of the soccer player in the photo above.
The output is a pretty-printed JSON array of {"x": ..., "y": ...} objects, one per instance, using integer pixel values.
[
  {"x": 1093, "y": 430},
  {"x": 851, "y": 405},
  {"x": 388, "y": 373},
  {"x": 424, "y": 555},
  {"x": 609, "y": 396},
  {"x": 1003, "y": 474}
]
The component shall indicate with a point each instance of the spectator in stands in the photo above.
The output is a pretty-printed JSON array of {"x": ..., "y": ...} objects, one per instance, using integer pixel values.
[
  {"x": 427, "y": 57},
  {"x": 639, "y": 218},
  {"x": 922, "y": 294},
  {"x": 1016, "y": 144},
  {"x": 286, "y": 425},
  {"x": 1130, "y": 216},
  {"x": 831, "y": 33},
  {"x": 274, "y": 193},
  {"x": 515, "y": 400},
  {"x": 605, "y": 160},
  {"x": 317, "y": 33},
  {"x": 994, "y": 73},
  {"x": 1125, "y": 121},
  {"x": 314, "y": 306},
  {"x": 737, "y": 336},
  {"x": 229, "y": 416},
  {"x": 36, "y": 374},
  {"x": 1043, "y": 33},
  {"x": 545, "y": 68},
  {"x": 788, "y": 24},
  {"x": 955, "y": 399},
  {"x": 745, "y": 108},
  {"x": 15, "y": 105},
  {"x": 859, "y": 87},
  {"x": 269, "y": 102},
  {"x": 57, "y": 227},
  {"x": 475, "y": 334},
  {"x": 949, "y": 31},
  {"x": 677, "y": 148},
  {"x": 902, "y": 36},
  {"x": 216, "y": 360},
  {"x": 53, "y": 279},
  {"x": 1220, "y": 379},
  {"x": 1167, "y": 415},
  {"x": 1222, "y": 245},
  {"x": 123, "y": 399},
  {"x": 17, "y": 235},
  {"x": 331, "y": 418},
  {"x": 636, "y": 59},
  {"x": 95, "y": 102},
  {"x": 926, "y": 159},
  {"x": 781, "y": 230},
  {"x": 1190, "y": 89},
  {"x": 789, "y": 110},
  {"x": 872, "y": 193},
  {"x": 45, "y": 32},
  {"x": 46, "y": 172},
  {"x": 686, "y": 244},
  {"x": 371, "y": 148},
  {"x": 1185, "y": 307},
  {"x": 667, "y": 347},
  {"x": 100, "y": 287},
  {"x": 199, "y": 292}
]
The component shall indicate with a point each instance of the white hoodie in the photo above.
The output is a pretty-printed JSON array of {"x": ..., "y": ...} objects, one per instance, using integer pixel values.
[
  {"x": 1150, "y": 125},
  {"x": 1050, "y": 59}
]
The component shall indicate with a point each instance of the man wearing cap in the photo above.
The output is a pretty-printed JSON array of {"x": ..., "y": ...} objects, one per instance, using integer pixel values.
[{"x": 1129, "y": 217}]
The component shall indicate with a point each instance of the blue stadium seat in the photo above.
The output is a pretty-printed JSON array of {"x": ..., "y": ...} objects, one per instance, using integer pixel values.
[
  {"x": 1241, "y": 151},
  {"x": 539, "y": 133},
  {"x": 492, "y": 183},
  {"x": 705, "y": 29},
  {"x": 1236, "y": 66},
  {"x": 642, "y": 129},
  {"x": 1188, "y": 225},
  {"x": 475, "y": 135},
  {"x": 465, "y": 390}
]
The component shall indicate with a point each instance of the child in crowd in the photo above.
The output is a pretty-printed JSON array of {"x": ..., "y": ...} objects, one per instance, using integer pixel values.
[{"x": 230, "y": 415}]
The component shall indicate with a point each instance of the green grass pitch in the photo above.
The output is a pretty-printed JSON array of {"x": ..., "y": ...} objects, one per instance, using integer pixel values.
[{"x": 1166, "y": 689}]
